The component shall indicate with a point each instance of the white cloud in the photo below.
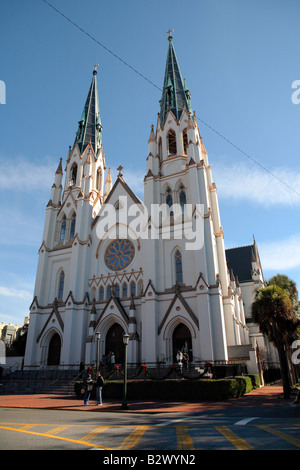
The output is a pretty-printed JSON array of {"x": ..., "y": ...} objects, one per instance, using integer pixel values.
[
  {"x": 16, "y": 293},
  {"x": 239, "y": 182},
  {"x": 22, "y": 175},
  {"x": 281, "y": 255}
]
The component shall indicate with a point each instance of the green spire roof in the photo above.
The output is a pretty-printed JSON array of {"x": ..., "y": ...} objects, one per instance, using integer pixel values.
[
  {"x": 89, "y": 126},
  {"x": 175, "y": 92}
]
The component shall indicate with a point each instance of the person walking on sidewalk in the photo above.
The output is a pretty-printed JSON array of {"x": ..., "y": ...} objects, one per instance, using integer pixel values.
[
  {"x": 88, "y": 387},
  {"x": 99, "y": 385}
]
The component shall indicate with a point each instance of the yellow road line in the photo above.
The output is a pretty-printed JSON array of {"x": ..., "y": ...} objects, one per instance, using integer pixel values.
[
  {"x": 237, "y": 441},
  {"x": 57, "y": 437},
  {"x": 133, "y": 438},
  {"x": 58, "y": 429},
  {"x": 88, "y": 437},
  {"x": 292, "y": 440},
  {"x": 27, "y": 426},
  {"x": 184, "y": 440}
]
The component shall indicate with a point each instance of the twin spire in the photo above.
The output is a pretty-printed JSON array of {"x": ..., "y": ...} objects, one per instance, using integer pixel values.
[
  {"x": 89, "y": 126},
  {"x": 175, "y": 94},
  {"x": 175, "y": 97}
]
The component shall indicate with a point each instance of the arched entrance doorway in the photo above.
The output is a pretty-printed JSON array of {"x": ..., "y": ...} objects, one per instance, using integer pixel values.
[
  {"x": 182, "y": 340},
  {"x": 114, "y": 342},
  {"x": 54, "y": 350}
]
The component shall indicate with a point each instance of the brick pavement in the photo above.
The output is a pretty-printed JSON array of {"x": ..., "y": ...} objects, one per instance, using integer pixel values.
[{"x": 267, "y": 396}]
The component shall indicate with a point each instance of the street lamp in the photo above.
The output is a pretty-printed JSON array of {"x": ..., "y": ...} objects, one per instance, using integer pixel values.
[
  {"x": 98, "y": 334},
  {"x": 125, "y": 342}
]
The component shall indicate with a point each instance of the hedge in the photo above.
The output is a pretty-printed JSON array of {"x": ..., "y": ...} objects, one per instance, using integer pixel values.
[{"x": 180, "y": 389}]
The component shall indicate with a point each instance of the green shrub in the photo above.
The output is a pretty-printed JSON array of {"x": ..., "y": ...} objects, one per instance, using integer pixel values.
[
  {"x": 255, "y": 380},
  {"x": 245, "y": 384},
  {"x": 172, "y": 389}
]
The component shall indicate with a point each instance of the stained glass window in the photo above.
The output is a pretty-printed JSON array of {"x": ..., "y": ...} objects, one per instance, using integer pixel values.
[
  {"x": 119, "y": 254},
  {"x": 178, "y": 266},
  {"x": 63, "y": 229}
]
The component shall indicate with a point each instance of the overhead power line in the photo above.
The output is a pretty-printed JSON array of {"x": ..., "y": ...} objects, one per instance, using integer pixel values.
[{"x": 159, "y": 88}]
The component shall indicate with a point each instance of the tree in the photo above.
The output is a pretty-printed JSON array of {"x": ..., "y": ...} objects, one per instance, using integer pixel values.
[
  {"x": 290, "y": 330},
  {"x": 272, "y": 309}
]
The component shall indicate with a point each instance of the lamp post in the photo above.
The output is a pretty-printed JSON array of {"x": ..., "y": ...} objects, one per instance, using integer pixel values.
[
  {"x": 125, "y": 342},
  {"x": 98, "y": 334}
]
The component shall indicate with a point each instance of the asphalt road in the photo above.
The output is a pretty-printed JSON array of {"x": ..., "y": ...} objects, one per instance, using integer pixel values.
[{"x": 160, "y": 434}]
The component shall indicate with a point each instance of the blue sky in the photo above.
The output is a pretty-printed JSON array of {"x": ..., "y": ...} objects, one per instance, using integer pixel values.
[{"x": 239, "y": 58}]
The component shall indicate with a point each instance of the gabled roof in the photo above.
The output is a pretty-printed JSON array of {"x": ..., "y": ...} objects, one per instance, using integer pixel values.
[
  {"x": 89, "y": 126},
  {"x": 240, "y": 259},
  {"x": 175, "y": 95}
]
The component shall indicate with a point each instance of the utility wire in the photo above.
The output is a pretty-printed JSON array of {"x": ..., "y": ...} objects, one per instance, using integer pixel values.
[
  {"x": 153, "y": 84},
  {"x": 100, "y": 44}
]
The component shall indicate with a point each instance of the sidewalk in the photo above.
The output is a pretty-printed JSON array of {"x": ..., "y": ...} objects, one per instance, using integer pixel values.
[{"x": 267, "y": 396}]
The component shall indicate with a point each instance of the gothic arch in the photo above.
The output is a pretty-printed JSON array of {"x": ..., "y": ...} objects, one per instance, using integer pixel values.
[
  {"x": 168, "y": 335},
  {"x": 51, "y": 348},
  {"x": 73, "y": 174},
  {"x": 171, "y": 143},
  {"x": 105, "y": 326}
]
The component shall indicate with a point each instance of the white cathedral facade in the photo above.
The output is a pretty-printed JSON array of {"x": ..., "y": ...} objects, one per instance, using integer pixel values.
[{"x": 146, "y": 279}]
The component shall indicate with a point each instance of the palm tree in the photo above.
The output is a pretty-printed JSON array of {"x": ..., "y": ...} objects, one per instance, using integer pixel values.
[{"x": 272, "y": 309}]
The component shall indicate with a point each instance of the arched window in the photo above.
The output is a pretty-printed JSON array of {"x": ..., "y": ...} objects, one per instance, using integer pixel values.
[
  {"x": 185, "y": 141},
  {"x": 99, "y": 179},
  {"x": 132, "y": 288},
  {"x": 178, "y": 266},
  {"x": 63, "y": 228},
  {"x": 117, "y": 291},
  {"x": 108, "y": 293},
  {"x": 73, "y": 174},
  {"x": 171, "y": 140},
  {"x": 169, "y": 199},
  {"x": 73, "y": 223},
  {"x": 140, "y": 287},
  {"x": 101, "y": 293},
  {"x": 160, "y": 153},
  {"x": 61, "y": 285},
  {"x": 124, "y": 290},
  {"x": 182, "y": 197}
]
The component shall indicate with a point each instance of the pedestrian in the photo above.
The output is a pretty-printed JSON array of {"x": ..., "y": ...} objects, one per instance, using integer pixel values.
[
  {"x": 112, "y": 359},
  {"x": 99, "y": 385},
  {"x": 179, "y": 357},
  {"x": 88, "y": 387}
]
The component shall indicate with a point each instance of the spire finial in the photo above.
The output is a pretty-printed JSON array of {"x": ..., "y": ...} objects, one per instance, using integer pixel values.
[
  {"x": 169, "y": 33},
  {"x": 95, "y": 69}
]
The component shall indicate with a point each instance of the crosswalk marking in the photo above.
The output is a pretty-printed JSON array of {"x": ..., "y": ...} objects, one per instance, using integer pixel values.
[
  {"x": 91, "y": 435},
  {"x": 184, "y": 440},
  {"x": 58, "y": 429},
  {"x": 237, "y": 441},
  {"x": 286, "y": 437},
  {"x": 133, "y": 438}
]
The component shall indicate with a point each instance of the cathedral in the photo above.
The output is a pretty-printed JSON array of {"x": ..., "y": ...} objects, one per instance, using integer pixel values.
[{"x": 156, "y": 269}]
